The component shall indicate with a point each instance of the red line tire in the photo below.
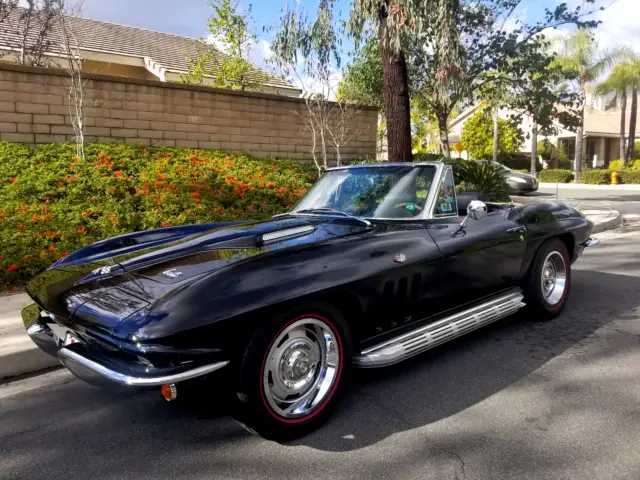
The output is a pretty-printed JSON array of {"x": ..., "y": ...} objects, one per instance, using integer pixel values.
[
  {"x": 294, "y": 371},
  {"x": 548, "y": 282}
]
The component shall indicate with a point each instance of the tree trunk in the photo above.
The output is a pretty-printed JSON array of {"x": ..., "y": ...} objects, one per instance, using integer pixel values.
[
  {"x": 396, "y": 99},
  {"x": 534, "y": 149},
  {"x": 496, "y": 124},
  {"x": 443, "y": 127},
  {"x": 623, "y": 127},
  {"x": 631, "y": 150},
  {"x": 577, "y": 161}
]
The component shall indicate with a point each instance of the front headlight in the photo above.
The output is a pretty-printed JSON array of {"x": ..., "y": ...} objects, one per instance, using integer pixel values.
[{"x": 517, "y": 179}]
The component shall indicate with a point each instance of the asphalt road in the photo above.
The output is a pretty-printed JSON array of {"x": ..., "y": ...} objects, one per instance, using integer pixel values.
[{"x": 517, "y": 400}]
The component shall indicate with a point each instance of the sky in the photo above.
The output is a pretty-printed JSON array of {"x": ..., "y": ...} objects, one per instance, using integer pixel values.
[{"x": 620, "y": 18}]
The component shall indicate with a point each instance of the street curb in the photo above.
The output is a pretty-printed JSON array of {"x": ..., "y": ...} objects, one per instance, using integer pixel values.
[
  {"x": 615, "y": 221},
  {"x": 585, "y": 186}
]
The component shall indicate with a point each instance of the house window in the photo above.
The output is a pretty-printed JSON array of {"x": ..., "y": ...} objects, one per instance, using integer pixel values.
[
  {"x": 569, "y": 146},
  {"x": 591, "y": 149}
]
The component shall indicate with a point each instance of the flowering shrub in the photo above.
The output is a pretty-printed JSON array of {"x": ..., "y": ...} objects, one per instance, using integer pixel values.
[{"x": 52, "y": 203}]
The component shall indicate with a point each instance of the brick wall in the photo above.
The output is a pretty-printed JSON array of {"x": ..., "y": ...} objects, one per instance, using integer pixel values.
[{"x": 34, "y": 110}]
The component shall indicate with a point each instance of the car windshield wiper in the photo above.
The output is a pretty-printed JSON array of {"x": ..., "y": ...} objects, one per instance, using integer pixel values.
[{"x": 328, "y": 211}]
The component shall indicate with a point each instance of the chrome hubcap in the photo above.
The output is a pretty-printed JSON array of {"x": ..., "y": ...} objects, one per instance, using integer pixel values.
[
  {"x": 554, "y": 278},
  {"x": 301, "y": 368}
]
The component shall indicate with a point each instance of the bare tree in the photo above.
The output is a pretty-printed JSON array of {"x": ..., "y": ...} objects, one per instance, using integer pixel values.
[
  {"x": 74, "y": 83},
  {"x": 28, "y": 31}
]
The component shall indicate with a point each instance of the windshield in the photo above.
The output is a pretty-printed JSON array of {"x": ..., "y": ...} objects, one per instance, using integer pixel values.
[{"x": 373, "y": 192}]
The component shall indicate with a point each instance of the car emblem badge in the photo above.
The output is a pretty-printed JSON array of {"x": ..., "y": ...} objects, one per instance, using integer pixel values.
[
  {"x": 102, "y": 271},
  {"x": 173, "y": 273},
  {"x": 400, "y": 258}
]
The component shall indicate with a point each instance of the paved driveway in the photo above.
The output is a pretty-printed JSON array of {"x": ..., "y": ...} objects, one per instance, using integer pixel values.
[{"x": 517, "y": 400}]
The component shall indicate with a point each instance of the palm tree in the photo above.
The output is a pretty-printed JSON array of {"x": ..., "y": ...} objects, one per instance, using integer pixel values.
[
  {"x": 635, "y": 73},
  {"x": 621, "y": 82},
  {"x": 584, "y": 62}
]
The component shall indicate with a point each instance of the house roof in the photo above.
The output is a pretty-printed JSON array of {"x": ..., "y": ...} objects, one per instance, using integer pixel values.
[
  {"x": 165, "y": 49},
  {"x": 608, "y": 123},
  {"x": 596, "y": 122}
]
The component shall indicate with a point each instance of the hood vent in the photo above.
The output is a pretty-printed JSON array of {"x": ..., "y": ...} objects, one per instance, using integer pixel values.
[{"x": 287, "y": 233}]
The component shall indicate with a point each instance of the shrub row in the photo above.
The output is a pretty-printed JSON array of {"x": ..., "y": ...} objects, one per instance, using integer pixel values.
[
  {"x": 52, "y": 202},
  {"x": 555, "y": 176},
  {"x": 630, "y": 165},
  {"x": 603, "y": 177}
]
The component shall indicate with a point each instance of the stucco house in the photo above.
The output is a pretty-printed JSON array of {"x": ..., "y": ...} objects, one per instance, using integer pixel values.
[
  {"x": 118, "y": 50},
  {"x": 601, "y": 143}
]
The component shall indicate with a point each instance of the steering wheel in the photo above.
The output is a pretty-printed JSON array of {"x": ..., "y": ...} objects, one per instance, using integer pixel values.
[{"x": 410, "y": 206}]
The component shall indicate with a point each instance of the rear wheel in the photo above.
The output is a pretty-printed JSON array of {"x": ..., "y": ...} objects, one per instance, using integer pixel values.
[
  {"x": 294, "y": 371},
  {"x": 547, "y": 285}
]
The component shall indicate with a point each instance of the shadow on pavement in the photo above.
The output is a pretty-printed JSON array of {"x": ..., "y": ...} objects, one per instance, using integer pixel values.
[{"x": 84, "y": 432}]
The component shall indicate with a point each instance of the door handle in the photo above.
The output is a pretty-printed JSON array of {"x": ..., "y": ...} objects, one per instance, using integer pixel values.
[{"x": 517, "y": 230}]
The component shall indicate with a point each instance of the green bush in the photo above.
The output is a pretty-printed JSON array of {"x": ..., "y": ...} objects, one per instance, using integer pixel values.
[
  {"x": 545, "y": 149},
  {"x": 427, "y": 157},
  {"x": 595, "y": 176},
  {"x": 555, "y": 176},
  {"x": 615, "y": 165},
  {"x": 485, "y": 177},
  {"x": 630, "y": 176},
  {"x": 521, "y": 161},
  {"x": 52, "y": 203},
  {"x": 522, "y": 171},
  {"x": 477, "y": 137}
]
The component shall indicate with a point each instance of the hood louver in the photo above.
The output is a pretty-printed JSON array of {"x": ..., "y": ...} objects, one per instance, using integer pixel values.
[{"x": 287, "y": 233}]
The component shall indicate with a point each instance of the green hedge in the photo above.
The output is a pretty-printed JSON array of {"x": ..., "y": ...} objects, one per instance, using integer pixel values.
[
  {"x": 521, "y": 162},
  {"x": 603, "y": 177},
  {"x": 52, "y": 203},
  {"x": 555, "y": 176},
  {"x": 595, "y": 177}
]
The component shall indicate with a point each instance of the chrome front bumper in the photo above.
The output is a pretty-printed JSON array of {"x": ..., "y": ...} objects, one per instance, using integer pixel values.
[
  {"x": 590, "y": 242},
  {"x": 92, "y": 370}
]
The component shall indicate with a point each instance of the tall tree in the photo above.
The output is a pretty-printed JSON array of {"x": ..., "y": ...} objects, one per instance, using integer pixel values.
[
  {"x": 395, "y": 23},
  {"x": 583, "y": 61},
  {"x": 230, "y": 30},
  {"x": 620, "y": 83},
  {"x": 635, "y": 69}
]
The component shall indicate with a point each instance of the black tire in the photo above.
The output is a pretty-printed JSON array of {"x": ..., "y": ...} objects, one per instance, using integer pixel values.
[
  {"x": 541, "y": 304},
  {"x": 259, "y": 410}
]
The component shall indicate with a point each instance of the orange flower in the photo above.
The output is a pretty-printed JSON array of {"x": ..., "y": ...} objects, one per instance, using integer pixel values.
[
  {"x": 27, "y": 258},
  {"x": 118, "y": 173},
  {"x": 64, "y": 254},
  {"x": 12, "y": 268},
  {"x": 3, "y": 215},
  {"x": 13, "y": 179},
  {"x": 48, "y": 217},
  {"x": 52, "y": 248},
  {"x": 60, "y": 184},
  {"x": 35, "y": 218},
  {"x": 43, "y": 254},
  {"x": 21, "y": 228},
  {"x": 80, "y": 230},
  {"x": 73, "y": 179}
]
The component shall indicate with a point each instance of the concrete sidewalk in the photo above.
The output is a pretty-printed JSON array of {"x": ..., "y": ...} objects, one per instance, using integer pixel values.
[{"x": 19, "y": 355}]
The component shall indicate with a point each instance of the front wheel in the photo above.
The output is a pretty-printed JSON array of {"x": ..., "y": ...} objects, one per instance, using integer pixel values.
[
  {"x": 546, "y": 287},
  {"x": 294, "y": 371}
]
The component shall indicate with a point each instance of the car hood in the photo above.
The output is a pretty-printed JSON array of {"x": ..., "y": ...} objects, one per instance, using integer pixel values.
[{"x": 106, "y": 285}]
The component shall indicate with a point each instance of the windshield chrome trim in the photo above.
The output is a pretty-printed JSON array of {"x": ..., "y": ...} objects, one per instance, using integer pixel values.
[
  {"x": 427, "y": 212},
  {"x": 390, "y": 164}
]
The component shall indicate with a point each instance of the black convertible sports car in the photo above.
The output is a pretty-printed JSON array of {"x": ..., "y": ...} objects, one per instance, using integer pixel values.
[{"x": 377, "y": 263}]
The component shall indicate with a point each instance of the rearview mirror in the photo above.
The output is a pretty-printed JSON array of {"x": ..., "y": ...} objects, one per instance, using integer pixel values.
[{"x": 476, "y": 210}]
